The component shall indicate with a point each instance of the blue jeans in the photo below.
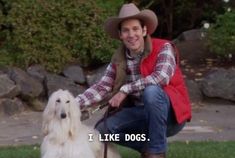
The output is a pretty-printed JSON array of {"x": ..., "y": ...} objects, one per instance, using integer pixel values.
[{"x": 156, "y": 119}]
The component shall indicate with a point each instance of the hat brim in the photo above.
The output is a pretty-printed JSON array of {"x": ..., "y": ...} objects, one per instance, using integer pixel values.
[{"x": 147, "y": 16}]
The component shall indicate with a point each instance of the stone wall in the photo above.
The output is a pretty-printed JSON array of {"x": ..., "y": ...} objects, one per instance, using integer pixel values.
[{"x": 29, "y": 89}]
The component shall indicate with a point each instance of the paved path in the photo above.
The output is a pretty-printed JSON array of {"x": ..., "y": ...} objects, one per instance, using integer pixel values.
[
  {"x": 24, "y": 128},
  {"x": 210, "y": 122}
]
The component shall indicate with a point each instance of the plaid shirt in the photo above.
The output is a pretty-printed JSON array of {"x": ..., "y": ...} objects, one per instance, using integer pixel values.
[{"x": 135, "y": 83}]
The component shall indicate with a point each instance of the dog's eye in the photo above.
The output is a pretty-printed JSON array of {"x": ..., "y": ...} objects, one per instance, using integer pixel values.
[
  {"x": 67, "y": 101},
  {"x": 58, "y": 100}
]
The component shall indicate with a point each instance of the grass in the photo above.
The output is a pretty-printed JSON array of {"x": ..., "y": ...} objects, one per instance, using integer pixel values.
[
  {"x": 207, "y": 149},
  {"x": 20, "y": 152},
  {"x": 202, "y": 150}
]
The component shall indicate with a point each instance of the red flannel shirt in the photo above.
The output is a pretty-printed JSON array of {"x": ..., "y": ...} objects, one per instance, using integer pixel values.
[{"x": 135, "y": 83}]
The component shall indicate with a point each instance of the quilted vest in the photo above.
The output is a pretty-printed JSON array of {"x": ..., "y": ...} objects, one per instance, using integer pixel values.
[{"x": 176, "y": 89}]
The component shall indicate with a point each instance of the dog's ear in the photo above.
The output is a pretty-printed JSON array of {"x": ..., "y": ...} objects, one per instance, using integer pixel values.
[
  {"x": 74, "y": 107},
  {"x": 72, "y": 133},
  {"x": 45, "y": 130},
  {"x": 48, "y": 113},
  {"x": 47, "y": 116},
  {"x": 75, "y": 114}
]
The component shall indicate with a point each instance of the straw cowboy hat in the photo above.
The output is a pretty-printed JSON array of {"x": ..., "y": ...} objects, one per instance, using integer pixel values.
[{"x": 129, "y": 11}]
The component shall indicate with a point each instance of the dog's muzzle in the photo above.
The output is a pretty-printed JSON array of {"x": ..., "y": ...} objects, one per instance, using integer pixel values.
[{"x": 63, "y": 115}]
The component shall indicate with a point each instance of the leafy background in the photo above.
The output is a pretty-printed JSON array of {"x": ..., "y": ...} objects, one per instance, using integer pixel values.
[{"x": 59, "y": 32}]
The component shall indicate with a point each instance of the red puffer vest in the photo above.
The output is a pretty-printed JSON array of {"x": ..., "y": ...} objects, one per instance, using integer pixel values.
[{"x": 176, "y": 89}]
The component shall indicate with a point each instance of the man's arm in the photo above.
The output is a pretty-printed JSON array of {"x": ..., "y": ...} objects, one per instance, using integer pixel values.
[
  {"x": 163, "y": 71},
  {"x": 98, "y": 91}
]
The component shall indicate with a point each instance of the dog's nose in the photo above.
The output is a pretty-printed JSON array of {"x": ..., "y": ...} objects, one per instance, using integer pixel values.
[{"x": 63, "y": 115}]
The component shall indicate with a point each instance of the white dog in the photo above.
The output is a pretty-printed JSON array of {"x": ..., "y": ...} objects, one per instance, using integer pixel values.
[{"x": 64, "y": 134}]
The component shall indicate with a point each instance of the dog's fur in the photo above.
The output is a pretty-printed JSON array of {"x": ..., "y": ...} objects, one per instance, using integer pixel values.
[{"x": 64, "y": 134}]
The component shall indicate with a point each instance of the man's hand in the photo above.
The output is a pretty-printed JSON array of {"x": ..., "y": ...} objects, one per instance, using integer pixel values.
[{"x": 117, "y": 99}]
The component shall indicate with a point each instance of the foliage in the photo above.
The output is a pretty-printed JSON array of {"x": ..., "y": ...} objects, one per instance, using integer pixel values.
[
  {"x": 53, "y": 33},
  {"x": 176, "y": 16},
  {"x": 221, "y": 35}
]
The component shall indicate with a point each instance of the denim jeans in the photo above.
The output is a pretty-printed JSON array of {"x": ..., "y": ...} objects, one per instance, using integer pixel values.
[{"x": 155, "y": 119}]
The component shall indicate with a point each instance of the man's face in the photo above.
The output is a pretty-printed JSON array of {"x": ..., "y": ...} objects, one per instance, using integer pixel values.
[{"x": 132, "y": 35}]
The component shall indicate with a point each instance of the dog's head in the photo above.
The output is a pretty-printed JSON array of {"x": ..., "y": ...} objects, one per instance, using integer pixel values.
[{"x": 63, "y": 107}]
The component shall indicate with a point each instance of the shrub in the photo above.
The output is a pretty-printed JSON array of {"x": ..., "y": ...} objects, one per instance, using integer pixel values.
[
  {"x": 53, "y": 33},
  {"x": 221, "y": 35},
  {"x": 177, "y": 16}
]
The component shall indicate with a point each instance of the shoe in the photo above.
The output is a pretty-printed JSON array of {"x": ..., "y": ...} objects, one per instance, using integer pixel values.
[{"x": 149, "y": 155}]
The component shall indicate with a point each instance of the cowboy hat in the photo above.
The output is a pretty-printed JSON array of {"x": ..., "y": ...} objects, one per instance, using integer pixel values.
[{"x": 129, "y": 11}]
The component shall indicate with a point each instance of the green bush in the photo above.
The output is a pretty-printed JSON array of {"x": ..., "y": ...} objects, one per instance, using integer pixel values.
[
  {"x": 221, "y": 35},
  {"x": 177, "y": 16},
  {"x": 55, "y": 32}
]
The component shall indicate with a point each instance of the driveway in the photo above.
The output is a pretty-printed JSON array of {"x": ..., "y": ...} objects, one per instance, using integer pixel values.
[{"x": 211, "y": 121}]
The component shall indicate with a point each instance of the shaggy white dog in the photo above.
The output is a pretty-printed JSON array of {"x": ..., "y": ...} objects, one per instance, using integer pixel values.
[{"x": 64, "y": 134}]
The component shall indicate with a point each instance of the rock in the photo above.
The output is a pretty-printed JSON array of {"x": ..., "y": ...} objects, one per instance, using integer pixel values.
[
  {"x": 192, "y": 47},
  {"x": 220, "y": 83},
  {"x": 55, "y": 82},
  {"x": 37, "y": 71},
  {"x": 30, "y": 87},
  {"x": 194, "y": 91},
  {"x": 96, "y": 75},
  {"x": 75, "y": 73},
  {"x": 191, "y": 35},
  {"x": 10, "y": 107},
  {"x": 8, "y": 89},
  {"x": 36, "y": 104}
]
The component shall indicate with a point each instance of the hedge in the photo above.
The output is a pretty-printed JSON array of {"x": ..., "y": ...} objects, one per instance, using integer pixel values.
[{"x": 53, "y": 33}]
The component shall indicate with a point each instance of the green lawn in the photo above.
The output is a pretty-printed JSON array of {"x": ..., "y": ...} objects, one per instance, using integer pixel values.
[{"x": 176, "y": 150}]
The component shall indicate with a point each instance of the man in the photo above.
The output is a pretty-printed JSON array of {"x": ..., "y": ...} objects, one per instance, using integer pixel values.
[{"x": 144, "y": 79}]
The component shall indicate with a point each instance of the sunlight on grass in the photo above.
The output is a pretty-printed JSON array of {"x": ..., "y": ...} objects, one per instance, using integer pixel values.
[
  {"x": 20, "y": 152},
  {"x": 205, "y": 149},
  {"x": 128, "y": 153}
]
